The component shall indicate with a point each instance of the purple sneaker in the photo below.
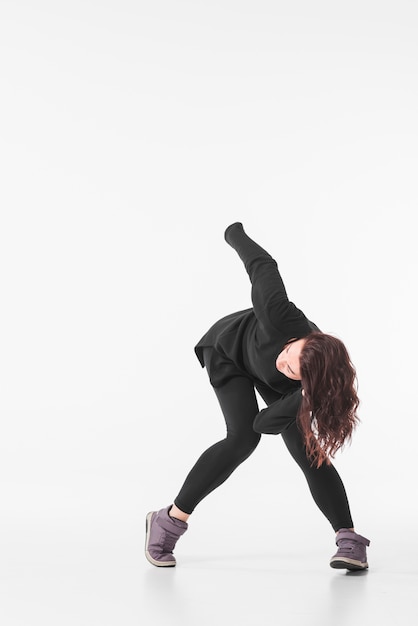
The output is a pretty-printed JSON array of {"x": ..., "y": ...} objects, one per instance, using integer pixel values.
[
  {"x": 162, "y": 532},
  {"x": 351, "y": 553}
]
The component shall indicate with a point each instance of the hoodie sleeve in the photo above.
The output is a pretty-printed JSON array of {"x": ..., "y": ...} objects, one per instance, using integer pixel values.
[
  {"x": 270, "y": 302},
  {"x": 279, "y": 415}
]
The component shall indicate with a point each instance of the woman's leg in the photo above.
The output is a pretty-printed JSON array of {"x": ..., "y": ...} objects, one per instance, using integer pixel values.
[
  {"x": 325, "y": 484},
  {"x": 239, "y": 406},
  {"x": 329, "y": 494}
]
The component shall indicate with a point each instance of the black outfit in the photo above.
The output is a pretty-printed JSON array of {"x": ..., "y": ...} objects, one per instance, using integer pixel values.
[{"x": 239, "y": 353}]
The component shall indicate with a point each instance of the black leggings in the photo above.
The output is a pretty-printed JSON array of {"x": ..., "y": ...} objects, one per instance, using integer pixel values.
[{"x": 239, "y": 406}]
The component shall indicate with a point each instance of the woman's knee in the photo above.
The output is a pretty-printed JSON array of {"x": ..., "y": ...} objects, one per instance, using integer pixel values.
[{"x": 243, "y": 444}]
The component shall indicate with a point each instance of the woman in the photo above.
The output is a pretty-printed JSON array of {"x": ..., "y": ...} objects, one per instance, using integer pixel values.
[{"x": 308, "y": 383}]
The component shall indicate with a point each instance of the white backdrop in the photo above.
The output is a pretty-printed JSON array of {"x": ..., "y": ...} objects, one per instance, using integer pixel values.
[{"x": 132, "y": 134}]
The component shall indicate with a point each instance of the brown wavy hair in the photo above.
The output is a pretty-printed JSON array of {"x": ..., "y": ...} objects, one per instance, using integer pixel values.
[{"x": 328, "y": 412}]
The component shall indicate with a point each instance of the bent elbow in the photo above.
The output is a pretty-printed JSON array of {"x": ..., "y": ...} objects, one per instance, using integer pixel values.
[
  {"x": 267, "y": 426},
  {"x": 257, "y": 425},
  {"x": 262, "y": 425}
]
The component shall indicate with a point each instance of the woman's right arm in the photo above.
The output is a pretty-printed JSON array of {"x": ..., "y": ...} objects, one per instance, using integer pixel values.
[{"x": 279, "y": 415}]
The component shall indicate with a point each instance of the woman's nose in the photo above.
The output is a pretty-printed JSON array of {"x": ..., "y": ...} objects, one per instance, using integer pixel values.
[{"x": 280, "y": 364}]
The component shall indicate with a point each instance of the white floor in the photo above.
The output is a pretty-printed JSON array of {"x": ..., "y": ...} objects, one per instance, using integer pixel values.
[
  {"x": 85, "y": 577},
  {"x": 283, "y": 578}
]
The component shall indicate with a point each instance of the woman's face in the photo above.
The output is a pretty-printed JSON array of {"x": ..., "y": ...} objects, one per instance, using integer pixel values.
[{"x": 288, "y": 361}]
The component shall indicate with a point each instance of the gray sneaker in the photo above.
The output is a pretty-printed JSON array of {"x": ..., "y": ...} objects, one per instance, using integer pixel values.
[
  {"x": 351, "y": 553},
  {"x": 162, "y": 533}
]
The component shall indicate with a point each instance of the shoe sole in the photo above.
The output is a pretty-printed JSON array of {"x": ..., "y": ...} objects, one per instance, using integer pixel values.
[
  {"x": 147, "y": 536},
  {"x": 351, "y": 564}
]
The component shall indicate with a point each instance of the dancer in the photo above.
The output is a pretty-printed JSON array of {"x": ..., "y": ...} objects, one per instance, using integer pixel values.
[{"x": 308, "y": 383}]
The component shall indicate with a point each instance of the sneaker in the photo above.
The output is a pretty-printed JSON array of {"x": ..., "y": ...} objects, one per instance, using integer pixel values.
[
  {"x": 162, "y": 533},
  {"x": 351, "y": 553}
]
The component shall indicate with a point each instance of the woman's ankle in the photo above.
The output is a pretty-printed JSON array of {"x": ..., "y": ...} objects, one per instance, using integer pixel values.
[{"x": 177, "y": 513}]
